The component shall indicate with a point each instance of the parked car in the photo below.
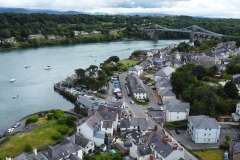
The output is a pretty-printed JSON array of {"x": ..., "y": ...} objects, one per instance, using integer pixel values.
[
  {"x": 161, "y": 108},
  {"x": 154, "y": 88},
  {"x": 160, "y": 103},
  {"x": 225, "y": 155},
  {"x": 131, "y": 102},
  {"x": 177, "y": 131},
  {"x": 17, "y": 125},
  {"x": 150, "y": 108},
  {"x": 10, "y": 130},
  {"x": 149, "y": 84}
]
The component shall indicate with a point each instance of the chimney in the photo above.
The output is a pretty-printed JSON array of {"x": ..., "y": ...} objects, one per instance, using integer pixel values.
[
  {"x": 8, "y": 157},
  {"x": 175, "y": 146},
  {"x": 35, "y": 151},
  {"x": 151, "y": 157},
  {"x": 155, "y": 128},
  {"x": 165, "y": 139}
]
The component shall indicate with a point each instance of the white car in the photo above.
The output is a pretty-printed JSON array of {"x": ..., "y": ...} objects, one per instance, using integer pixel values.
[
  {"x": 161, "y": 108},
  {"x": 149, "y": 84},
  {"x": 131, "y": 102},
  {"x": 10, "y": 130}
]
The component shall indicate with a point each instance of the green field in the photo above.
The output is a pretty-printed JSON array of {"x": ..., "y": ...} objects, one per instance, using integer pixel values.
[
  {"x": 128, "y": 62},
  {"x": 210, "y": 154},
  {"x": 37, "y": 138}
]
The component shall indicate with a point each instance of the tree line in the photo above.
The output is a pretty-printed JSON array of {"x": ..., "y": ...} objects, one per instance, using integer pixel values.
[{"x": 21, "y": 25}]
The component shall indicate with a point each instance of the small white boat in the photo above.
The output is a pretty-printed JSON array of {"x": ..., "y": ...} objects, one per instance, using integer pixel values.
[
  {"x": 15, "y": 96},
  {"x": 27, "y": 66},
  {"x": 12, "y": 79},
  {"x": 48, "y": 68}
]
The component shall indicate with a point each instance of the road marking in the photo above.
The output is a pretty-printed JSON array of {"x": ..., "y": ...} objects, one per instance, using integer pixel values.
[
  {"x": 233, "y": 130},
  {"x": 228, "y": 131},
  {"x": 223, "y": 130},
  {"x": 189, "y": 147}
]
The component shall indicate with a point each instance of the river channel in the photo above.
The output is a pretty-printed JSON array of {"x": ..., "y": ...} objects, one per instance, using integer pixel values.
[{"x": 34, "y": 85}]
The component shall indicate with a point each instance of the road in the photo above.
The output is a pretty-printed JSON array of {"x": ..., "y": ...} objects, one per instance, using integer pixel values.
[{"x": 140, "y": 111}]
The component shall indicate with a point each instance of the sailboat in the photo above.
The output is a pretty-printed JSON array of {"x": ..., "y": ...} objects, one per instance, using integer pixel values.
[
  {"x": 15, "y": 96},
  {"x": 48, "y": 68},
  {"x": 12, "y": 79}
]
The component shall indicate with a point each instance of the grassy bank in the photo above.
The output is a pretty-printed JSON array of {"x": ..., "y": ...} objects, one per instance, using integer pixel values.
[
  {"x": 128, "y": 62},
  {"x": 212, "y": 154}
]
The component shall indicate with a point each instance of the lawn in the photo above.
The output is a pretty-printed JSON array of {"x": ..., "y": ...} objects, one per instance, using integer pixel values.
[
  {"x": 37, "y": 138},
  {"x": 128, "y": 63},
  {"x": 210, "y": 154}
]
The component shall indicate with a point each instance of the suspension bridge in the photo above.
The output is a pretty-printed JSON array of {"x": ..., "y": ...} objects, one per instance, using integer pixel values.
[{"x": 196, "y": 32}]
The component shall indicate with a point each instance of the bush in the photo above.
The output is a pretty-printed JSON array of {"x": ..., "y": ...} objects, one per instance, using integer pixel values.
[
  {"x": 56, "y": 136},
  {"x": 223, "y": 146},
  {"x": 58, "y": 113},
  {"x": 40, "y": 114},
  {"x": 49, "y": 116},
  {"x": 62, "y": 120},
  {"x": 169, "y": 124},
  {"x": 63, "y": 129},
  {"x": 32, "y": 119},
  {"x": 70, "y": 121},
  {"x": 227, "y": 137},
  {"x": 140, "y": 101},
  {"x": 28, "y": 148}
]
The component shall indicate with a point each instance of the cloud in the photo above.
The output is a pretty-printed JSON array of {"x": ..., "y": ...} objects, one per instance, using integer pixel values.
[{"x": 211, "y": 8}]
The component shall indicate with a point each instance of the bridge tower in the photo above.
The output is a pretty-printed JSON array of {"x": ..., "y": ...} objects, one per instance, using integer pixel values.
[{"x": 193, "y": 33}]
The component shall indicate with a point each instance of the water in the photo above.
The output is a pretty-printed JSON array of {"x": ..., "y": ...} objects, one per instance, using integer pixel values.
[{"x": 34, "y": 85}]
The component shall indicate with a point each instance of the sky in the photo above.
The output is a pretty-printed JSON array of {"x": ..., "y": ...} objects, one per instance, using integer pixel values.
[{"x": 207, "y": 8}]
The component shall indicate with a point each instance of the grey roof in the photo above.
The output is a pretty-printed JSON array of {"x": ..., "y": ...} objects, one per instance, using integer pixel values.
[
  {"x": 161, "y": 79},
  {"x": 65, "y": 148},
  {"x": 125, "y": 123},
  {"x": 167, "y": 92},
  {"x": 102, "y": 145},
  {"x": 235, "y": 147},
  {"x": 109, "y": 109},
  {"x": 80, "y": 140},
  {"x": 24, "y": 156},
  {"x": 202, "y": 122},
  {"x": 106, "y": 116},
  {"x": 107, "y": 124},
  {"x": 143, "y": 150},
  {"x": 175, "y": 105},
  {"x": 92, "y": 122},
  {"x": 119, "y": 147},
  {"x": 88, "y": 102},
  {"x": 235, "y": 76},
  {"x": 165, "y": 72},
  {"x": 72, "y": 157},
  {"x": 141, "y": 122},
  {"x": 135, "y": 68},
  {"x": 164, "y": 84},
  {"x": 136, "y": 84}
]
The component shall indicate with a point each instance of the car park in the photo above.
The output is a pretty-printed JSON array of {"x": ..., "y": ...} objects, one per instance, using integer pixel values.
[
  {"x": 17, "y": 125},
  {"x": 177, "y": 131}
]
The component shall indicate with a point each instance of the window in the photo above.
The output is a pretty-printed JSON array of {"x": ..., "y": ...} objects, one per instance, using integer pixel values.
[
  {"x": 210, "y": 129},
  {"x": 87, "y": 146},
  {"x": 92, "y": 143},
  {"x": 204, "y": 134},
  {"x": 208, "y": 139},
  {"x": 205, "y": 128},
  {"x": 209, "y": 134},
  {"x": 177, "y": 112},
  {"x": 106, "y": 128},
  {"x": 177, "y": 117}
]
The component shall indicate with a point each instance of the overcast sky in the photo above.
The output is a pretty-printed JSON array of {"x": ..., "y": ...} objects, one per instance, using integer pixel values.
[{"x": 208, "y": 8}]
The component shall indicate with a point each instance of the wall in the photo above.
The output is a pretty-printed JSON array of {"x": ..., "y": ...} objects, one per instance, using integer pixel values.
[
  {"x": 89, "y": 146},
  {"x": 175, "y": 116}
]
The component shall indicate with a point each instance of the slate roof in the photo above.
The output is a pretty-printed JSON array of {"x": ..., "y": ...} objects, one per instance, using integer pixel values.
[
  {"x": 165, "y": 84},
  {"x": 124, "y": 123},
  {"x": 136, "y": 84},
  {"x": 175, "y": 105},
  {"x": 235, "y": 147},
  {"x": 88, "y": 102},
  {"x": 107, "y": 124},
  {"x": 165, "y": 72},
  {"x": 106, "y": 116},
  {"x": 141, "y": 122},
  {"x": 161, "y": 79},
  {"x": 202, "y": 122},
  {"x": 135, "y": 68},
  {"x": 65, "y": 148},
  {"x": 92, "y": 121},
  {"x": 23, "y": 156},
  {"x": 143, "y": 150},
  {"x": 167, "y": 92},
  {"x": 72, "y": 157},
  {"x": 80, "y": 140}
]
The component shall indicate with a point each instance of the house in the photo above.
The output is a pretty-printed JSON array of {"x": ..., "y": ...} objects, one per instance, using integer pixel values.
[
  {"x": 51, "y": 37},
  {"x": 88, "y": 103},
  {"x": 149, "y": 54},
  {"x": 137, "y": 87},
  {"x": 130, "y": 124},
  {"x": 236, "y": 115},
  {"x": 87, "y": 145},
  {"x": 164, "y": 72},
  {"x": 10, "y": 40},
  {"x": 113, "y": 31},
  {"x": 92, "y": 130},
  {"x": 103, "y": 147},
  {"x": 64, "y": 150},
  {"x": 155, "y": 145},
  {"x": 138, "y": 70},
  {"x": 96, "y": 32},
  {"x": 236, "y": 78},
  {"x": 175, "y": 110},
  {"x": 203, "y": 129},
  {"x": 162, "y": 84},
  {"x": 76, "y": 33},
  {"x": 36, "y": 36},
  {"x": 84, "y": 33},
  {"x": 234, "y": 149},
  {"x": 167, "y": 94},
  {"x": 26, "y": 156}
]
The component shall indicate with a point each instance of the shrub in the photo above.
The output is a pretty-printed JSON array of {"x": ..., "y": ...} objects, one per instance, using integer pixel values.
[
  {"x": 169, "y": 125},
  {"x": 56, "y": 136},
  {"x": 227, "y": 137},
  {"x": 62, "y": 120},
  {"x": 223, "y": 146},
  {"x": 70, "y": 121},
  {"x": 32, "y": 119},
  {"x": 28, "y": 148},
  {"x": 40, "y": 114},
  {"x": 63, "y": 129},
  {"x": 58, "y": 113},
  {"x": 49, "y": 116}
]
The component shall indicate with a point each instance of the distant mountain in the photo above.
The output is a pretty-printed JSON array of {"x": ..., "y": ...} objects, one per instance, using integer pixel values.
[{"x": 146, "y": 14}]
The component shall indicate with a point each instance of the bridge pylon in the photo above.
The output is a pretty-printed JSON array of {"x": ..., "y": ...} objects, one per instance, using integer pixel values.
[{"x": 153, "y": 35}]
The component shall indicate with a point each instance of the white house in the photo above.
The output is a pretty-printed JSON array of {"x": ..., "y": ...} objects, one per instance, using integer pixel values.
[
  {"x": 87, "y": 145},
  {"x": 64, "y": 150},
  {"x": 203, "y": 129},
  {"x": 164, "y": 72},
  {"x": 138, "y": 70},
  {"x": 134, "y": 123},
  {"x": 137, "y": 87},
  {"x": 149, "y": 54},
  {"x": 236, "y": 115},
  {"x": 175, "y": 110},
  {"x": 91, "y": 129},
  {"x": 167, "y": 94}
]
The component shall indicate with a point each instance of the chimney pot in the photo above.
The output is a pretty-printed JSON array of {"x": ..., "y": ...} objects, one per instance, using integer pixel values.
[
  {"x": 155, "y": 128},
  {"x": 175, "y": 146},
  {"x": 35, "y": 150}
]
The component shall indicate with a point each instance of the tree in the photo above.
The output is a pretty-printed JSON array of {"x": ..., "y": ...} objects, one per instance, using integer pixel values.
[
  {"x": 70, "y": 121},
  {"x": 231, "y": 90},
  {"x": 197, "y": 43},
  {"x": 80, "y": 72},
  {"x": 28, "y": 148},
  {"x": 6, "y": 33}
]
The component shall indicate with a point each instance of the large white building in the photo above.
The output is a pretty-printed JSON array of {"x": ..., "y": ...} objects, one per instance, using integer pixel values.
[
  {"x": 203, "y": 129},
  {"x": 165, "y": 72},
  {"x": 236, "y": 115},
  {"x": 137, "y": 87},
  {"x": 175, "y": 110},
  {"x": 138, "y": 70}
]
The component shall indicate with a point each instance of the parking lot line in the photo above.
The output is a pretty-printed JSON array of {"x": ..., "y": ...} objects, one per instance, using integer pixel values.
[
  {"x": 233, "y": 130},
  {"x": 228, "y": 131},
  {"x": 223, "y": 130}
]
